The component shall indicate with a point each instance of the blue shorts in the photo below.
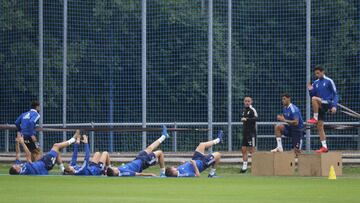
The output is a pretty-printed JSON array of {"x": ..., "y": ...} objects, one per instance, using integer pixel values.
[
  {"x": 296, "y": 135},
  {"x": 207, "y": 160},
  {"x": 49, "y": 159},
  {"x": 97, "y": 168},
  {"x": 146, "y": 159}
]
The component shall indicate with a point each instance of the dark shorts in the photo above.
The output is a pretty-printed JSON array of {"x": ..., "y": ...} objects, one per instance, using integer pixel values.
[
  {"x": 296, "y": 135},
  {"x": 99, "y": 167},
  {"x": 249, "y": 139},
  {"x": 147, "y": 159},
  {"x": 323, "y": 111},
  {"x": 31, "y": 145},
  {"x": 49, "y": 159},
  {"x": 207, "y": 160}
]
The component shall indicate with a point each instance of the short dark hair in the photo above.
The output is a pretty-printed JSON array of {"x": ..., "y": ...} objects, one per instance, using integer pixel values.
[
  {"x": 35, "y": 104},
  {"x": 287, "y": 95},
  {"x": 169, "y": 172},
  {"x": 110, "y": 172},
  {"x": 319, "y": 68},
  {"x": 67, "y": 171},
  {"x": 13, "y": 171}
]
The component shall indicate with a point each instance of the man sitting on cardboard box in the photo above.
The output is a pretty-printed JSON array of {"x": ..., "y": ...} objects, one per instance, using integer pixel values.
[{"x": 293, "y": 127}]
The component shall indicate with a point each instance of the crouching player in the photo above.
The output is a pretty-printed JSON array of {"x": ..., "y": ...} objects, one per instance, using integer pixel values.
[
  {"x": 199, "y": 161},
  {"x": 294, "y": 126},
  {"x": 144, "y": 160},
  {"x": 95, "y": 167},
  {"x": 45, "y": 164}
]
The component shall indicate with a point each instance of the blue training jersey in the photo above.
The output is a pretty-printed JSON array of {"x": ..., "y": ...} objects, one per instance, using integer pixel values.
[
  {"x": 292, "y": 112},
  {"x": 187, "y": 169},
  {"x": 35, "y": 168},
  {"x": 85, "y": 169},
  {"x": 325, "y": 89},
  {"x": 131, "y": 168},
  {"x": 26, "y": 123}
]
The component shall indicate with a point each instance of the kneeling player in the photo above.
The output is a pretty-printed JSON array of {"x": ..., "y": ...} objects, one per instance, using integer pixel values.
[
  {"x": 95, "y": 167},
  {"x": 45, "y": 164},
  {"x": 144, "y": 160},
  {"x": 294, "y": 128},
  {"x": 199, "y": 161}
]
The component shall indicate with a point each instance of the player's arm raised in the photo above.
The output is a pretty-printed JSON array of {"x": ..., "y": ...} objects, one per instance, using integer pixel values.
[
  {"x": 26, "y": 150},
  {"x": 197, "y": 173}
]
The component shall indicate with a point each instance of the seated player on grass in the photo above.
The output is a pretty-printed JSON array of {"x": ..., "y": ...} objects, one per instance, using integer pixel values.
[
  {"x": 95, "y": 167},
  {"x": 45, "y": 164},
  {"x": 199, "y": 161},
  {"x": 294, "y": 126},
  {"x": 144, "y": 160}
]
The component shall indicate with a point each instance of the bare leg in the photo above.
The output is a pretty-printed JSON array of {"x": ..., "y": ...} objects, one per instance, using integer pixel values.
[
  {"x": 36, "y": 154},
  {"x": 279, "y": 129},
  {"x": 244, "y": 153},
  {"x": 58, "y": 146},
  {"x": 321, "y": 131},
  {"x": 105, "y": 158},
  {"x": 316, "y": 104},
  {"x": 154, "y": 145},
  {"x": 204, "y": 145},
  {"x": 217, "y": 157},
  {"x": 17, "y": 150},
  {"x": 160, "y": 156},
  {"x": 96, "y": 157}
]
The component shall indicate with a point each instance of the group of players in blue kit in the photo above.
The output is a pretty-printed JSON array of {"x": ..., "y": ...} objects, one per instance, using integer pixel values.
[
  {"x": 324, "y": 98},
  {"x": 36, "y": 164}
]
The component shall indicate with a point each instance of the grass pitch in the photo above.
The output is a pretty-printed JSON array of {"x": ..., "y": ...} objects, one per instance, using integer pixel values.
[{"x": 230, "y": 187}]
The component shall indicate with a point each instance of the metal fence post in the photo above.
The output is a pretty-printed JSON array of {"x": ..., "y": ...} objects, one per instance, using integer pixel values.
[
  {"x": 308, "y": 67},
  {"x": 210, "y": 71},
  {"x": 229, "y": 60},
  {"x": 64, "y": 68},
  {"x": 92, "y": 141},
  {"x": 41, "y": 70},
  {"x": 175, "y": 139},
  {"x": 7, "y": 140},
  {"x": 143, "y": 69}
]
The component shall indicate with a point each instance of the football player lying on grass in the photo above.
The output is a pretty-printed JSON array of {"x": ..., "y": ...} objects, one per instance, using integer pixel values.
[
  {"x": 143, "y": 160},
  {"x": 95, "y": 167},
  {"x": 199, "y": 161},
  {"x": 45, "y": 164}
]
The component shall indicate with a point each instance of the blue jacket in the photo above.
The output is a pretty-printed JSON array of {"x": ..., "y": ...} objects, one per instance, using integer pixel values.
[
  {"x": 26, "y": 123},
  {"x": 325, "y": 89}
]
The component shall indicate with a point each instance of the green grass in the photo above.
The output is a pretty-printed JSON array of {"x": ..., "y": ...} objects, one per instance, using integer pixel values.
[{"x": 231, "y": 187}]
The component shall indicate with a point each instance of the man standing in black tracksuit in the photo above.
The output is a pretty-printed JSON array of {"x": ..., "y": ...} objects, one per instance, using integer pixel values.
[{"x": 249, "y": 117}]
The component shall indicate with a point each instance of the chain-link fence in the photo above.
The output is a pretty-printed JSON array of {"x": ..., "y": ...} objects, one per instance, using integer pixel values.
[{"x": 186, "y": 63}]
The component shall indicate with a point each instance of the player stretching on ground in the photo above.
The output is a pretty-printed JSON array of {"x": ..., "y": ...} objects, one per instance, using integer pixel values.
[
  {"x": 26, "y": 124},
  {"x": 199, "y": 161},
  {"x": 45, "y": 164},
  {"x": 294, "y": 128},
  {"x": 95, "y": 167},
  {"x": 249, "y": 117},
  {"x": 323, "y": 97},
  {"x": 144, "y": 160}
]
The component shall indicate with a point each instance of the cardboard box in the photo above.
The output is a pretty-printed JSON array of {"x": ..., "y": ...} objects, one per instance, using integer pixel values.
[
  {"x": 273, "y": 164},
  {"x": 319, "y": 164}
]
